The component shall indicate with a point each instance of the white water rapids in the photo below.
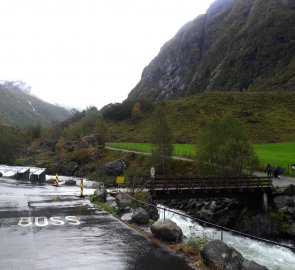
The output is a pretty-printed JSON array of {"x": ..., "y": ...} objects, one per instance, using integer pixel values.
[{"x": 271, "y": 256}]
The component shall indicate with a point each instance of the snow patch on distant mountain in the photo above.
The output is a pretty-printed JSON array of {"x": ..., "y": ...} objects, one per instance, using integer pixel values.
[
  {"x": 20, "y": 85},
  {"x": 31, "y": 105}
]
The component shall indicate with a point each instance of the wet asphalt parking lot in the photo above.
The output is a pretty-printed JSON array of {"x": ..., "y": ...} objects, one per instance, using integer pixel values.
[{"x": 45, "y": 227}]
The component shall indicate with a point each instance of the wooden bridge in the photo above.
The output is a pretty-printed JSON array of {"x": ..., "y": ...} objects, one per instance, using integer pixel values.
[{"x": 194, "y": 187}]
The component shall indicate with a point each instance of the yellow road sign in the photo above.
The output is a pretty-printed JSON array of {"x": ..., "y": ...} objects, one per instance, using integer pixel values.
[{"x": 120, "y": 180}]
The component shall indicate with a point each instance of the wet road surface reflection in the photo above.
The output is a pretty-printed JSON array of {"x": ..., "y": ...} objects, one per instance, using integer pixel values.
[{"x": 44, "y": 227}]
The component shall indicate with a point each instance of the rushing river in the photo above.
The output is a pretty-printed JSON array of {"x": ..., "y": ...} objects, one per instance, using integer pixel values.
[{"x": 271, "y": 256}]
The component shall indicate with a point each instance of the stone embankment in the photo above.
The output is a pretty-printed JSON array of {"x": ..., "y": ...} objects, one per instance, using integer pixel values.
[{"x": 248, "y": 216}]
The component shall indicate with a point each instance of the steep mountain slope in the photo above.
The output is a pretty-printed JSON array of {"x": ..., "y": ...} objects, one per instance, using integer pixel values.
[
  {"x": 237, "y": 45},
  {"x": 267, "y": 117},
  {"x": 18, "y": 108}
]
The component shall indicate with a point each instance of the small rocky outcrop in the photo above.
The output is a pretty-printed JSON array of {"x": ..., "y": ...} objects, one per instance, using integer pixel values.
[
  {"x": 140, "y": 216},
  {"x": 152, "y": 211},
  {"x": 70, "y": 182},
  {"x": 98, "y": 185},
  {"x": 1, "y": 174},
  {"x": 70, "y": 146},
  {"x": 284, "y": 206},
  {"x": 288, "y": 3},
  {"x": 150, "y": 206},
  {"x": 222, "y": 211},
  {"x": 115, "y": 168},
  {"x": 70, "y": 168},
  {"x": 127, "y": 216},
  {"x": 51, "y": 181},
  {"x": 259, "y": 225},
  {"x": 48, "y": 145},
  {"x": 291, "y": 230},
  {"x": 217, "y": 254},
  {"x": 94, "y": 140},
  {"x": 167, "y": 230},
  {"x": 123, "y": 201},
  {"x": 100, "y": 195},
  {"x": 285, "y": 203}
]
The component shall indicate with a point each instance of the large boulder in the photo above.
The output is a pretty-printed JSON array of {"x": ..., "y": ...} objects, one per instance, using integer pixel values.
[
  {"x": 70, "y": 168},
  {"x": 70, "y": 182},
  {"x": 70, "y": 146},
  {"x": 94, "y": 140},
  {"x": 127, "y": 216},
  {"x": 51, "y": 181},
  {"x": 218, "y": 255},
  {"x": 167, "y": 230},
  {"x": 140, "y": 216},
  {"x": 98, "y": 185},
  {"x": 150, "y": 206},
  {"x": 100, "y": 195},
  {"x": 291, "y": 230},
  {"x": 115, "y": 168},
  {"x": 152, "y": 211},
  {"x": 123, "y": 201}
]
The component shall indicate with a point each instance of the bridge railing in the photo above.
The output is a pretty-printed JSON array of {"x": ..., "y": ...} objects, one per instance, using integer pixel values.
[{"x": 180, "y": 183}]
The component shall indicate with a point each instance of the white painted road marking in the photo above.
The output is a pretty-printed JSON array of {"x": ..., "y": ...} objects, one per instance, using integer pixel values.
[
  {"x": 73, "y": 219},
  {"x": 41, "y": 224},
  {"x": 56, "y": 221},
  {"x": 25, "y": 221},
  {"x": 43, "y": 221}
]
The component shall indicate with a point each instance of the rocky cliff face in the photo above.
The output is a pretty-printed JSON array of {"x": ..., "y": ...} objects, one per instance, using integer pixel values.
[{"x": 237, "y": 45}]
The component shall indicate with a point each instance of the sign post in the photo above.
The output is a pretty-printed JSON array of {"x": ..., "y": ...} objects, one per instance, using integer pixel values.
[
  {"x": 56, "y": 180},
  {"x": 81, "y": 188},
  {"x": 153, "y": 171}
]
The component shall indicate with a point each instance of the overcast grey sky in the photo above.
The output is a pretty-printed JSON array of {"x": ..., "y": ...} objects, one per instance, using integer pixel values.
[{"x": 86, "y": 52}]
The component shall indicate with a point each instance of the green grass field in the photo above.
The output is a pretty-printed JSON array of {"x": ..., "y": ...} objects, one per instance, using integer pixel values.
[
  {"x": 282, "y": 154},
  {"x": 278, "y": 154},
  {"x": 180, "y": 150}
]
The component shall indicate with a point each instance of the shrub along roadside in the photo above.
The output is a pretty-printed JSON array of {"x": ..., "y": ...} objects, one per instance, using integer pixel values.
[{"x": 106, "y": 207}]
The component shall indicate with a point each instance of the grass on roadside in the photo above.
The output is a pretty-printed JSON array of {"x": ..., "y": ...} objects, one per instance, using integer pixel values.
[{"x": 110, "y": 209}]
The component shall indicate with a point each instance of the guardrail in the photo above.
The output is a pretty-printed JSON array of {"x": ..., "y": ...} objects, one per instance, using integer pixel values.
[{"x": 210, "y": 224}]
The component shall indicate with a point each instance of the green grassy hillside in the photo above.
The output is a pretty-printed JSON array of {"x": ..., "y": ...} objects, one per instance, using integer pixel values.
[{"x": 268, "y": 117}]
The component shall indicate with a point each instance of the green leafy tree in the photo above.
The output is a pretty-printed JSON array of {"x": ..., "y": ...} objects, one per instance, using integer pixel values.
[
  {"x": 224, "y": 149},
  {"x": 7, "y": 150},
  {"x": 10, "y": 140},
  {"x": 161, "y": 138},
  {"x": 92, "y": 122},
  {"x": 34, "y": 130}
]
